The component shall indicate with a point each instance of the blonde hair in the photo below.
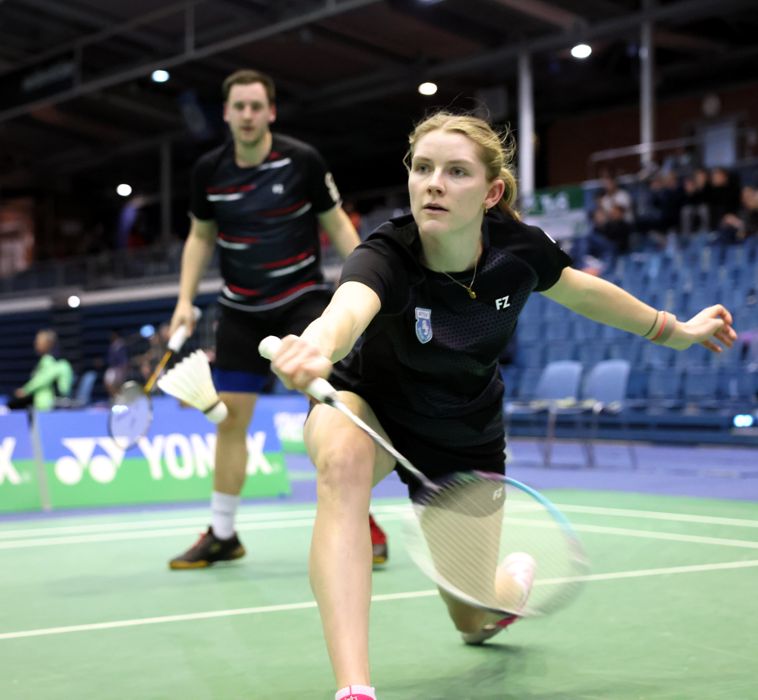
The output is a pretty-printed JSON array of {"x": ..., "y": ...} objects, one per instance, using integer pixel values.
[{"x": 495, "y": 150}]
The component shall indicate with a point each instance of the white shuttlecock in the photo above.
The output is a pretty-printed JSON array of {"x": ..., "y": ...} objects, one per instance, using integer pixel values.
[{"x": 190, "y": 381}]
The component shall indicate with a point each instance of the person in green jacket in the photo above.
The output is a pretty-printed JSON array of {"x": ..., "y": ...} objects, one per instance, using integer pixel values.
[{"x": 51, "y": 376}]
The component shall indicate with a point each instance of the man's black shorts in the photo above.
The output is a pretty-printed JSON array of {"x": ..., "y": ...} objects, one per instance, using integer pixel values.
[{"x": 238, "y": 365}]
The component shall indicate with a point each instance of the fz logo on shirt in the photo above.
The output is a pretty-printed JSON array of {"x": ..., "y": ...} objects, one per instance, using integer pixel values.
[{"x": 502, "y": 303}]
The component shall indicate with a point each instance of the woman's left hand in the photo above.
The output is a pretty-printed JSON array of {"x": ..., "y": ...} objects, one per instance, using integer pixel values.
[{"x": 712, "y": 324}]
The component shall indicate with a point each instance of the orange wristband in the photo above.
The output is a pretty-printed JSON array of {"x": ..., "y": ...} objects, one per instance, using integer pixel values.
[{"x": 660, "y": 330}]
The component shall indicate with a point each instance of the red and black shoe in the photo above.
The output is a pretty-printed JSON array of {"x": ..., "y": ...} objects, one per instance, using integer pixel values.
[
  {"x": 378, "y": 542},
  {"x": 208, "y": 550},
  {"x": 520, "y": 566}
]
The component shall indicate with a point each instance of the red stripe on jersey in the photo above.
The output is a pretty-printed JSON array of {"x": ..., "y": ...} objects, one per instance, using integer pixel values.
[
  {"x": 241, "y": 290},
  {"x": 231, "y": 189},
  {"x": 238, "y": 239},
  {"x": 294, "y": 289},
  {"x": 285, "y": 210},
  {"x": 288, "y": 261}
]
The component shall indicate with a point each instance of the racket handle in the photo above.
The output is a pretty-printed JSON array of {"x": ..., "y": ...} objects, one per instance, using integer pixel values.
[
  {"x": 319, "y": 388},
  {"x": 179, "y": 336}
]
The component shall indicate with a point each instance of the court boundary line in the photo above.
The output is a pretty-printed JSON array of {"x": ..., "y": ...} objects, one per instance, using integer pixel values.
[
  {"x": 381, "y": 598},
  {"x": 379, "y": 508},
  {"x": 397, "y": 514}
]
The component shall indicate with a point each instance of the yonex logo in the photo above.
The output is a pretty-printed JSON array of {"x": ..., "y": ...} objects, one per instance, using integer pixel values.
[
  {"x": 102, "y": 467},
  {"x": 7, "y": 470},
  {"x": 174, "y": 455}
]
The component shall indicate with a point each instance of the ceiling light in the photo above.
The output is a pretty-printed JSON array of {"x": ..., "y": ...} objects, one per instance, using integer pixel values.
[
  {"x": 581, "y": 51},
  {"x": 74, "y": 301},
  {"x": 124, "y": 190},
  {"x": 427, "y": 88},
  {"x": 160, "y": 76}
]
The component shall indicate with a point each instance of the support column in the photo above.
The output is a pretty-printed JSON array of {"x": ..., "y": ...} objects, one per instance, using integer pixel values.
[
  {"x": 525, "y": 127},
  {"x": 647, "y": 90}
]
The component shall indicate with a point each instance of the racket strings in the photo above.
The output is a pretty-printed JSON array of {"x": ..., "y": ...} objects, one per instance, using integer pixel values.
[{"x": 465, "y": 529}]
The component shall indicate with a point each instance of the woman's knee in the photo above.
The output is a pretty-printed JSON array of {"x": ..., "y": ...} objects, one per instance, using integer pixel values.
[{"x": 345, "y": 463}]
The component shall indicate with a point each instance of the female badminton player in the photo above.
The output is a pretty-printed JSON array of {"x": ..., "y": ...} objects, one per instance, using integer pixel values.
[{"x": 434, "y": 298}]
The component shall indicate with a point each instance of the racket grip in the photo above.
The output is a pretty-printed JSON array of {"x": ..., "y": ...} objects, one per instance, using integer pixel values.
[
  {"x": 319, "y": 388},
  {"x": 179, "y": 336}
]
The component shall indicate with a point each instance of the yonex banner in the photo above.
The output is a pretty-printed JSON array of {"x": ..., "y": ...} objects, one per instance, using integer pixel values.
[
  {"x": 19, "y": 489},
  {"x": 290, "y": 413},
  {"x": 174, "y": 462}
]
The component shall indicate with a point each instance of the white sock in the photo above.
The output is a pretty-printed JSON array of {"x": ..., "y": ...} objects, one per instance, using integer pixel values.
[
  {"x": 223, "y": 512},
  {"x": 353, "y": 690}
]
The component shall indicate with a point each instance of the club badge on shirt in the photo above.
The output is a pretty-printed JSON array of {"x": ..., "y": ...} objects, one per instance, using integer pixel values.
[{"x": 423, "y": 324}]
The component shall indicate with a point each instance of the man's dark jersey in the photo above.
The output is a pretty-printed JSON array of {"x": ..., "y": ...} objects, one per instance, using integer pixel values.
[
  {"x": 266, "y": 217},
  {"x": 428, "y": 360}
]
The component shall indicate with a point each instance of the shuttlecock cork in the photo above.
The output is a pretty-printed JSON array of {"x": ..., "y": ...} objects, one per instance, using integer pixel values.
[{"x": 190, "y": 381}]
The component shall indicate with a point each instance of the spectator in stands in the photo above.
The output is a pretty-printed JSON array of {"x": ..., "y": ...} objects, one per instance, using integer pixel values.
[
  {"x": 262, "y": 198},
  {"x": 737, "y": 227},
  {"x": 723, "y": 196},
  {"x": 615, "y": 197},
  {"x": 695, "y": 213},
  {"x": 51, "y": 376},
  {"x": 117, "y": 364},
  {"x": 664, "y": 204},
  {"x": 618, "y": 230},
  {"x": 594, "y": 252}
]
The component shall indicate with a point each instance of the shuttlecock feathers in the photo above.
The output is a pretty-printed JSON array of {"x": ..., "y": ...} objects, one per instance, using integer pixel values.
[{"x": 190, "y": 381}]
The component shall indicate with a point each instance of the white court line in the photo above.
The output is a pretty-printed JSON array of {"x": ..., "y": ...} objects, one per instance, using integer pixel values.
[
  {"x": 397, "y": 513},
  {"x": 144, "y": 524},
  {"x": 211, "y": 614},
  {"x": 655, "y": 515},
  {"x": 643, "y": 534},
  {"x": 199, "y": 520}
]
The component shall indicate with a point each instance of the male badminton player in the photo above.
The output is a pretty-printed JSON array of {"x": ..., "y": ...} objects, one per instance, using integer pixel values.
[
  {"x": 261, "y": 197},
  {"x": 435, "y": 297}
]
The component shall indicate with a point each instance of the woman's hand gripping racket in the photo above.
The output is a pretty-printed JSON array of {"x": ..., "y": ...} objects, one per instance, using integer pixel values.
[
  {"x": 132, "y": 411},
  {"x": 469, "y": 522}
]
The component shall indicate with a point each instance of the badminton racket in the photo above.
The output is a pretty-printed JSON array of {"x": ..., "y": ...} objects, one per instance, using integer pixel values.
[
  {"x": 467, "y": 523},
  {"x": 131, "y": 414}
]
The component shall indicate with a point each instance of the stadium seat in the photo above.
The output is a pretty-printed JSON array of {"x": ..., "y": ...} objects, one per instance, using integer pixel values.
[
  {"x": 664, "y": 389},
  {"x": 558, "y": 385}
]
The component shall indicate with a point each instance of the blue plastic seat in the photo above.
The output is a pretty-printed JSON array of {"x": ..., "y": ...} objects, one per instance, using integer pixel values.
[
  {"x": 700, "y": 388},
  {"x": 558, "y": 384},
  {"x": 664, "y": 388}
]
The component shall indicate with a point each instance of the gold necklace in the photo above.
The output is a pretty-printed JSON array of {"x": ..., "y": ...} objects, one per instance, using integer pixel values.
[{"x": 467, "y": 287}]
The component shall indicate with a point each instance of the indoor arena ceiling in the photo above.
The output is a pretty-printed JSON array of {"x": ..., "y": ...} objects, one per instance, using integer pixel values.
[{"x": 77, "y": 102}]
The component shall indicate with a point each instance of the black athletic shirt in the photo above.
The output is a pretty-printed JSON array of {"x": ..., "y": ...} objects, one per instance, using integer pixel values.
[
  {"x": 428, "y": 360},
  {"x": 266, "y": 217}
]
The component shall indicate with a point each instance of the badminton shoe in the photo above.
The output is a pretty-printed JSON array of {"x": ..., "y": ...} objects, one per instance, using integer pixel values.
[
  {"x": 208, "y": 550},
  {"x": 520, "y": 566},
  {"x": 378, "y": 542}
]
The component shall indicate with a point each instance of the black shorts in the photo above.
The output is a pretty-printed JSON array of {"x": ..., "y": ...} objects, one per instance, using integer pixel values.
[
  {"x": 238, "y": 365},
  {"x": 427, "y": 454}
]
